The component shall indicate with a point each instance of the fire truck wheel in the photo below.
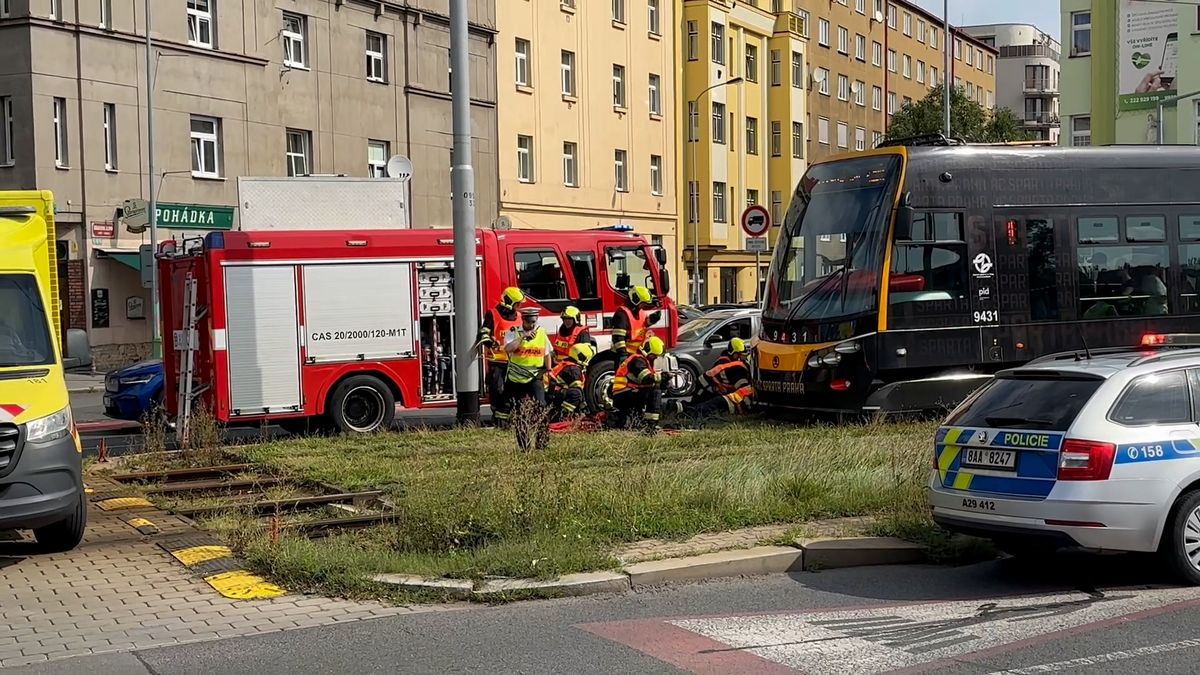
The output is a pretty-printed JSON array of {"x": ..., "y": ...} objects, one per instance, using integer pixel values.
[
  {"x": 599, "y": 376},
  {"x": 362, "y": 404}
]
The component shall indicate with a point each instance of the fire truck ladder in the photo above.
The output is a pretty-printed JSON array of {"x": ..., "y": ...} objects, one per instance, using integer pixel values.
[{"x": 187, "y": 342}]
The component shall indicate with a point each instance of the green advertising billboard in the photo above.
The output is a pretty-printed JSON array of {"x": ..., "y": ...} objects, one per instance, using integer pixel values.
[{"x": 1148, "y": 56}]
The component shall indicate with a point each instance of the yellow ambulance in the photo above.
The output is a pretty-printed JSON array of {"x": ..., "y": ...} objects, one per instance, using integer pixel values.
[{"x": 41, "y": 461}]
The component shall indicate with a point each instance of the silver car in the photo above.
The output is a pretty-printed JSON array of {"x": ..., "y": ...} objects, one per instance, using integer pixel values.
[
  {"x": 1097, "y": 450},
  {"x": 702, "y": 340}
]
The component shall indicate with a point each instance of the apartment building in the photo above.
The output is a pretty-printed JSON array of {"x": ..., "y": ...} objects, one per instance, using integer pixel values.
[
  {"x": 742, "y": 89},
  {"x": 1121, "y": 59},
  {"x": 867, "y": 58},
  {"x": 587, "y": 116},
  {"x": 246, "y": 87},
  {"x": 1027, "y": 74}
]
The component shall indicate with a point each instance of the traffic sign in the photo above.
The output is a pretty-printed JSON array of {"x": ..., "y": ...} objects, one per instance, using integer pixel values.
[
  {"x": 757, "y": 244},
  {"x": 756, "y": 221}
]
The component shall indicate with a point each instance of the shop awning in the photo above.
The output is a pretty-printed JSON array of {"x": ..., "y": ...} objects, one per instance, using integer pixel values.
[{"x": 133, "y": 260}]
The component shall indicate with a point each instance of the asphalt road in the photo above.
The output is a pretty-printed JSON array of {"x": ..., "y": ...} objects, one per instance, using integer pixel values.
[{"x": 1083, "y": 612}]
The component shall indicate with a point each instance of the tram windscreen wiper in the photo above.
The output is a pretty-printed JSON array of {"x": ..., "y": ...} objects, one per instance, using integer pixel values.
[{"x": 1036, "y": 422}]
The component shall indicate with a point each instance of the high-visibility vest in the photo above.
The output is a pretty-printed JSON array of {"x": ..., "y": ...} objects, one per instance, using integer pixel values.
[
  {"x": 555, "y": 374},
  {"x": 621, "y": 377},
  {"x": 526, "y": 362},
  {"x": 739, "y": 399},
  {"x": 500, "y": 327},
  {"x": 638, "y": 330},
  {"x": 562, "y": 345},
  {"x": 715, "y": 372}
]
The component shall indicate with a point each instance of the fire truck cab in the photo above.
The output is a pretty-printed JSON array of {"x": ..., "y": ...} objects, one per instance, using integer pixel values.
[{"x": 336, "y": 328}]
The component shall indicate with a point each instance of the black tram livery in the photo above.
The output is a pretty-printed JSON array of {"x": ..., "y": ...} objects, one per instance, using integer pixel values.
[{"x": 905, "y": 276}]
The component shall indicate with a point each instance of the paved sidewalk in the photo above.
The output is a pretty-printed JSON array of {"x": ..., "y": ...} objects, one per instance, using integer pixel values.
[
  {"x": 657, "y": 549},
  {"x": 119, "y": 591}
]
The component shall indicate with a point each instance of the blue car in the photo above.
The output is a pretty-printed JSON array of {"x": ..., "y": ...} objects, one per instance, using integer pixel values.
[{"x": 133, "y": 391}]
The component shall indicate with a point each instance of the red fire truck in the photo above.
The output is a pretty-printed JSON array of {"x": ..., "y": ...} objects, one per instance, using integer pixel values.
[{"x": 337, "y": 328}]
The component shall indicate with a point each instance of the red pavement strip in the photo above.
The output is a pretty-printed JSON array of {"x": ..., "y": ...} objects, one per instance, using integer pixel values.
[{"x": 701, "y": 655}]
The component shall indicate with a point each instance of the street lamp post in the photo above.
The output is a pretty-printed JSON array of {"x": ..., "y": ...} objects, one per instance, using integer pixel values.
[
  {"x": 152, "y": 196},
  {"x": 1163, "y": 104},
  {"x": 695, "y": 142},
  {"x": 947, "y": 68}
]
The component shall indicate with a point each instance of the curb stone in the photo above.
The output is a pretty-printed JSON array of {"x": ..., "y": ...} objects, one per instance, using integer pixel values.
[
  {"x": 457, "y": 588},
  {"x": 858, "y": 552},
  {"x": 745, "y": 562},
  {"x": 586, "y": 583}
]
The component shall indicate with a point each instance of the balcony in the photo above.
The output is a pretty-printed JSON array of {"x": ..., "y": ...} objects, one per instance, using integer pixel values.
[
  {"x": 1039, "y": 85},
  {"x": 1041, "y": 119},
  {"x": 1029, "y": 51},
  {"x": 790, "y": 22}
]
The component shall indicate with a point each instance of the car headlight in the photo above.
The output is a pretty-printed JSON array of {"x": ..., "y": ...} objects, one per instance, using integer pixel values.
[
  {"x": 50, "y": 427},
  {"x": 135, "y": 379}
]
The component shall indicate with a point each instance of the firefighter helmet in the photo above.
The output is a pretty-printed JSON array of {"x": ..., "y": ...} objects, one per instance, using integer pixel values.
[
  {"x": 571, "y": 312},
  {"x": 512, "y": 296},
  {"x": 640, "y": 295},
  {"x": 582, "y": 353},
  {"x": 654, "y": 346},
  {"x": 737, "y": 345}
]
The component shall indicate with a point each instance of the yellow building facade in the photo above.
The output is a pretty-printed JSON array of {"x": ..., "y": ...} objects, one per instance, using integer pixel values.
[
  {"x": 587, "y": 115},
  {"x": 741, "y": 142}
]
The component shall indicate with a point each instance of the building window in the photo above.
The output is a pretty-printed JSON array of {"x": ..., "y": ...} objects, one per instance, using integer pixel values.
[
  {"x": 797, "y": 70},
  {"x": 892, "y": 60},
  {"x": 377, "y": 157},
  {"x": 62, "y": 155},
  {"x": 9, "y": 118},
  {"x": 206, "y": 147},
  {"x": 752, "y": 135},
  {"x": 876, "y": 98},
  {"x": 921, "y": 72},
  {"x": 843, "y": 88},
  {"x": 823, "y": 81},
  {"x": 860, "y": 6},
  {"x": 934, "y": 31},
  {"x": 823, "y": 32},
  {"x": 522, "y": 63},
  {"x": 570, "y": 164},
  {"x": 776, "y": 68},
  {"x": 970, "y": 55},
  {"x": 618, "y": 81},
  {"x": 958, "y": 49},
  {"x": 693, "y": 202},
  {"x": 751, "y": 198},
  {"x": 5, "y": 9},
  {"x": 618, "y": 11},
  {"x": 891, "y": 103},
  {"x": 110, "y": 136},
  {"x": 621, "y": 169},
  {"x": 843, "y": 41},
  {"x": 797, "y": 140},
  {"x": 805, "y": 22},
  {"x": 7, "y": 157},
  {"x": 1081, "y": 33},
  {"x": 655, "y": 95},
  {"x": 718, "y": 43},
  {"x": 1081, "y": 130},
  {"x": 823, "y": 131},
  {"x": 908, "y": 24},
  {"x": 921, "y": 30},
  {"x": 719, "y": 215},
  {"x": 907, "y": 66},
  {"x": 876, "y": 138},
  {"x": 299, "y": 152},
  {"x": 776, "y": 207},
  {"x": 693, "y": 121},
  {"x": 718, "y": 123},
  {"x": 860, "y": 139},
  {"x": 860, "y": 47},
  {"x": 652, "y": 19},
  {"x": 56, "y": 10},
  {"x": 933, "y": 76},
  {"x": 876, "y": 54},
  {"x": 860, "y": 93},
  {"x": 568, "y": 73},
  {"x": 776, "y": 139},
  {"x": 891, "y": 17},
  {"x": 656, "y": 175},
  {"x": 525, "y": 158},
  {"x": 751, "y": 63},
  {"x": 295, "y": 55},
  {"x": 693, "y": 41},
  {"x": 200, "y": 23},
  {"x": 376, "y": 57},
  {"x": 843, "y": 133},
  {"x": 105, "y": 12}
]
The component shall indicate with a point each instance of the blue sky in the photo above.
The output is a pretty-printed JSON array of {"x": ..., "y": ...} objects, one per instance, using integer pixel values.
[{"x": 1041, "y": 13}]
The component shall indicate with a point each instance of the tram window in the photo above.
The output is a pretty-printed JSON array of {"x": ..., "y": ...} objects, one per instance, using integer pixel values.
[
  {"x": 1189, "y": 260},
  {"x": 1122, "y": 281},
  {"x": 1145, "y": 228},
  {"x": 928, "y": 273},
  {"x": 1094, "y": 230},
  {"x": 1189, "y": 228},
  {"x": 937, "y": 227},
  {"x": 1041, "y": 265}
]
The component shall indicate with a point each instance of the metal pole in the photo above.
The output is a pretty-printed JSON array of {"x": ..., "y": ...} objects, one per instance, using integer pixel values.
[
  {"x": 757, "y": 276},
  {"x": 1161, "y": 111},
  {"x": 696, "y": 223},
  {"x": 152, "y": 205},
  {"x": 948, "y": 68},
  {"x": 462, "y": 181}
]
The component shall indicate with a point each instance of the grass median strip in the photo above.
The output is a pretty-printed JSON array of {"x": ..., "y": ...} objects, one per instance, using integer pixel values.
[{"x": 468, "y": 505}]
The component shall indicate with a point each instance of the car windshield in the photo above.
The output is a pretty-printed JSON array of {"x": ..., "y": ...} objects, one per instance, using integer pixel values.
[
  {"x": 695, "y": 329},
  {"x": 24, "y": 331},
  {"x": 831, "y": 250}
]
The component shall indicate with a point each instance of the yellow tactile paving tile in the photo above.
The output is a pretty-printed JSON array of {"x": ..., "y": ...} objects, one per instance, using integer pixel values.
[
  {"x": 196, "y": 555},
  {"x": 119, "y": 503},
  {"x": 241, "y": 585}
]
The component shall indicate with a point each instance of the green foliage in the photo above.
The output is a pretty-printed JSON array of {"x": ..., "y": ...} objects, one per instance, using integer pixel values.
[{"x": 968, "y": 119}]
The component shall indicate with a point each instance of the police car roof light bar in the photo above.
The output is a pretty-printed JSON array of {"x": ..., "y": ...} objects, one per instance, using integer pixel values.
[{"x": 1171, "y": 340}]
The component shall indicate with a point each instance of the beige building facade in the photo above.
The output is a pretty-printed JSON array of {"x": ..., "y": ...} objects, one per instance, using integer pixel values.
[
  {"x": 245, "y": 88},
  {"x": 587, "y": 115}
]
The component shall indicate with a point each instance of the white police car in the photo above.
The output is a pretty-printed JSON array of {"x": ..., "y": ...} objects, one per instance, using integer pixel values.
[{"x": 1097, "y": 449}]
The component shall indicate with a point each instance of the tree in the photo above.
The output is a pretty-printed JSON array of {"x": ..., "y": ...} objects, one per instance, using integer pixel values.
[{"x": 968, "y": 120}]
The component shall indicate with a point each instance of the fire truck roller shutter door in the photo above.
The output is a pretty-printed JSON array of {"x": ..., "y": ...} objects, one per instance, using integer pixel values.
[{"x": 263, "y": 339}]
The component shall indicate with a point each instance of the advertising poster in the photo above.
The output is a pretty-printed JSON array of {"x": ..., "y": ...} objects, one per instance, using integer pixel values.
[{"x": 1148, "y": 58}]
